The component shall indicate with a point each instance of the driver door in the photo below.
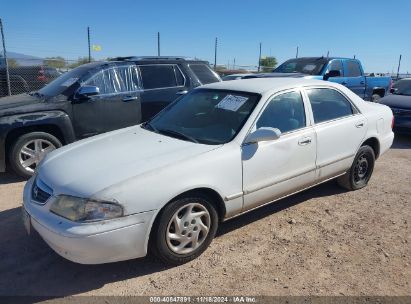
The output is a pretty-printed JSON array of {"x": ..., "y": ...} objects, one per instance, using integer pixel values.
[
  {"x": 116, "y": 106},
  {"x": 272, "y": 169}
]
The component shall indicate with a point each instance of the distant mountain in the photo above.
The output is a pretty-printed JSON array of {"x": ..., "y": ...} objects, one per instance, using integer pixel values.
[{"x": 22, "y": 59}]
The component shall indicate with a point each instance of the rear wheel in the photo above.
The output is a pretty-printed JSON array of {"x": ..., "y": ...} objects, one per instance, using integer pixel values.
[
  {"x": 361, "y": 170},
  {"x": 184, "y": 229},
  {"x": 29, "y": 149}
]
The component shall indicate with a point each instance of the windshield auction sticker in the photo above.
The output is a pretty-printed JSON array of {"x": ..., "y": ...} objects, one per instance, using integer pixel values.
[{"x": 231, "y": 102}]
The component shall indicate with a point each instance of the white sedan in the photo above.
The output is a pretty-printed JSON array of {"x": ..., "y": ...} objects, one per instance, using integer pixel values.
[{"x": 218, "y": 152}]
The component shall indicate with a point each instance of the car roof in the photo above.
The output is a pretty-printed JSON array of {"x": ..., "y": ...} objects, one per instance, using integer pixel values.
[{"x": 264, "y": 85}]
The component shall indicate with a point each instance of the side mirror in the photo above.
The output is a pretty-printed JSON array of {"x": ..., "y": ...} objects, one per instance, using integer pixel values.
[
  {"x": 332, "y": 73},
  {"x": 87, "y": 91},
  {"x": 263, "y": 134},
  {"x": 392, "y": 90}
]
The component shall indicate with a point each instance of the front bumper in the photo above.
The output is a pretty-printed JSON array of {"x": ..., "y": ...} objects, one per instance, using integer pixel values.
[{"x": 90, "y": 243}]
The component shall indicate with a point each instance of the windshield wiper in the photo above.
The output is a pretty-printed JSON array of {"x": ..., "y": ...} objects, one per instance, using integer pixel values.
[
  {"x": 177, "y": 134},
  {"x": 148, "y": 125}
]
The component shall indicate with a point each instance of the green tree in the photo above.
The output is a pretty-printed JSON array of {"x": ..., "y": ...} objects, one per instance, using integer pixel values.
[
  {"x": 80, "y": 61},
  {"x": 12, "y": 63},
  {"x": 268, "y": 63},
  {"x": 55, "y": 62}
]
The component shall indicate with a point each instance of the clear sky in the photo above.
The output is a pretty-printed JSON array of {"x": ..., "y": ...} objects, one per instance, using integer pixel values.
[{"x": 376, "y": 31}]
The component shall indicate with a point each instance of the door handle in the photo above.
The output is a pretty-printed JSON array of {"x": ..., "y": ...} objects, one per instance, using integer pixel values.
[
  {"x": 182, "y": 92},
  {"x": 304, "y": 141},
  {"x": 359, "y": 124},
  {"x": 129, "y": 98},
  {"x": 343, "y": 83},
  {"x": 362, "y": 82}
]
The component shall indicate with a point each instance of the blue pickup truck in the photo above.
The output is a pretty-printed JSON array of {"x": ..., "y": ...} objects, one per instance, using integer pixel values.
[{"x": 345, "y": 71}]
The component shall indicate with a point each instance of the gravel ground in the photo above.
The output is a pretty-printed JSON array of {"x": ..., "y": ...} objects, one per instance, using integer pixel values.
[{"x": 323, "y": 241}]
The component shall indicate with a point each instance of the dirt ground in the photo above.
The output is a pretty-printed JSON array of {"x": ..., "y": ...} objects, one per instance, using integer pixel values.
[{"x": 339, "y": 243}]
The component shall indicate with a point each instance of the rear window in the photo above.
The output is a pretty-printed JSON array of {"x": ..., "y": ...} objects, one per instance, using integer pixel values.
[{"x": 204, "y": 73}]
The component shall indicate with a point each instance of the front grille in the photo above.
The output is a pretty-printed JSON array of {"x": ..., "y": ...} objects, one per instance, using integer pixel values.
[{"x": 39, "y": 193}]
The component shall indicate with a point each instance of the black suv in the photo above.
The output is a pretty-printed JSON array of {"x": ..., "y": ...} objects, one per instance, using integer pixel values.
[{"x": 92, "y": 99}]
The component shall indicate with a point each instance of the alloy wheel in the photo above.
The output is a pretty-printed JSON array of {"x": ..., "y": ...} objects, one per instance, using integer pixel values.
[
  {"x": 188, "y": 228},
  {"x": 33, "y": 152}
]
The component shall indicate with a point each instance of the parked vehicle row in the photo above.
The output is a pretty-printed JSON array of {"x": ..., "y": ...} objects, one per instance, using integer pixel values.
[
  {"x": 345, "y": 71},
  {"x": 89, "y": 100},
  {"x": 218, "y": 152}
]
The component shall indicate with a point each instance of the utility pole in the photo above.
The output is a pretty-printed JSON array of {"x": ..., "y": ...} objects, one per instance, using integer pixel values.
[
  {"x": 215, "y": 54},
  {"x": 398, "y": 70},
  {"x": 259, "y": 59},
  {"x": 328, "y": 53},
  {"x": 158, "y": 44},
  {"x": 89, "y": 47},
  {"x": 5, "y": 59},
  {"x": 234, "y": 64},
  {"x": 296, "y": 54},
  {"x": 354, "y": 56}
]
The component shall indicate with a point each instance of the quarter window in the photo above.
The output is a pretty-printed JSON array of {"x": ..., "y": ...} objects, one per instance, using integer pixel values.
[
  {"x": 353, "y": 69},
  {"x": 284, "y": 112},
  {"x": 328, "y": 104},
  {"x": 161, "y": 76},
  {"x": 204, "y": 73}
]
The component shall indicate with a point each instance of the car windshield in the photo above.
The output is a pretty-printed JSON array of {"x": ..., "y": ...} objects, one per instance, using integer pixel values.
[
  {"x": 310, "y": 66},
  {"x": 206, "y": 116},
  {"x": 62, "y": 84},
  {"x": 403, "y": 87}
]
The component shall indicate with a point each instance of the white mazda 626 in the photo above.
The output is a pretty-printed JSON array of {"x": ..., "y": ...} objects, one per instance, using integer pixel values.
[{"x": 218, "y": 152}]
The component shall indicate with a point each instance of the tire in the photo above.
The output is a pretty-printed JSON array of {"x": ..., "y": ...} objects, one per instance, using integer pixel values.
[
  {"x": 31, "y": 148},
  {"x": 361, "y": 170},
  {"x": 171, "y": 250},
  {"x": 375, "y": 98}
]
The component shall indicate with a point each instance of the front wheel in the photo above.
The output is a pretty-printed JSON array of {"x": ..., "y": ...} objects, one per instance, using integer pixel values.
[
  {"x": 184, "y": 229},
  {"x": 361, "y": 170},
  {"x": 29, "y": 149}
]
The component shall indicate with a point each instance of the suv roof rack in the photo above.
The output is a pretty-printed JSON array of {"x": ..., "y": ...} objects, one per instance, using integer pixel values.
[{"x": 131, "y": 58}]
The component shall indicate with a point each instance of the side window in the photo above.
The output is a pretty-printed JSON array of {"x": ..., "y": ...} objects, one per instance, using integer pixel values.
[
  {"x": 336, "y": 65},
  {"x": 115, "y": 80},
  {"x": 284, "y": 112},
  {"x": 353, "y": 69},
  {"x": 328, "y": 104},
  {"x": 179, "y": 76},
  {"x": 159, "y": 76}
]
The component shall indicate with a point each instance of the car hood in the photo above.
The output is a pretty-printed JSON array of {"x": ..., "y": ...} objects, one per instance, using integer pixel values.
[
  {"x": 25, "y": 103},
  {"x": 397, "y": 101},
  {"x": 89, "y": 166}
]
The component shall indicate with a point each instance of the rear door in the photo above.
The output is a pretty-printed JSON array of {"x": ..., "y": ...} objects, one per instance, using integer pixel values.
[
  {"x": 117, "y": 106},
  {"x": 354, "y": 78},
  {"x": 162, "y": 84},
  {"x": 340, "y": 129}
]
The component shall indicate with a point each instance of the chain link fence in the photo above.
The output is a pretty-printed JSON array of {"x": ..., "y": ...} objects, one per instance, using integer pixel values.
[{"x": 27, "y": 75}]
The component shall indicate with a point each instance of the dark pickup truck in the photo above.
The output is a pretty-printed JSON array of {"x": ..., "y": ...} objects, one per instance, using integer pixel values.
[
  {"x": 346, "y": 71},
  {"x": 92, "y": 99}
]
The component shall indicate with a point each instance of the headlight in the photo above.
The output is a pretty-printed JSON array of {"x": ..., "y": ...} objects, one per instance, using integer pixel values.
[{"x": 84, "y": 210}]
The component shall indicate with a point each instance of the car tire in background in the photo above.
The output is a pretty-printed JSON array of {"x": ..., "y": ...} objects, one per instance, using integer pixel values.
[
  {"x": 361, "y": 170},
  {"x": 29, "y": 149},
  {"x": 184, "y": 229}
]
